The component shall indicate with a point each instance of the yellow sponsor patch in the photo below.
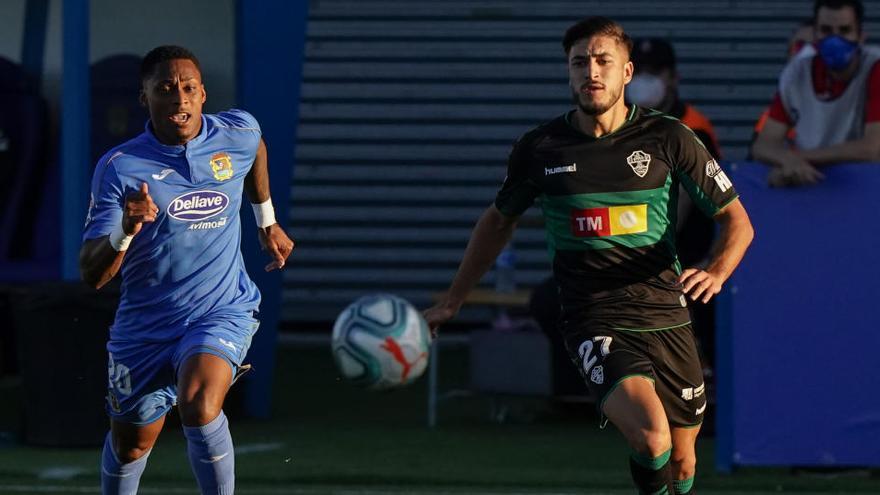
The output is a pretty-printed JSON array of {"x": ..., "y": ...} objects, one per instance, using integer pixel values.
[
  {"x": 612, "y": 220},
  {"x": 630, "y": 219}
]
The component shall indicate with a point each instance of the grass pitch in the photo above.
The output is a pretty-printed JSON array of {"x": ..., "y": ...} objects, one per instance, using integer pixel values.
[{"x": 327, "y": 437}]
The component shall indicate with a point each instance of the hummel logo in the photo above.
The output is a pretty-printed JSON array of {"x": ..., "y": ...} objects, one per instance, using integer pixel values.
[
  {"x": 164, "y": 173},
  {"x": 228, "y": 344},
  {"x": 559, "y": 170}
]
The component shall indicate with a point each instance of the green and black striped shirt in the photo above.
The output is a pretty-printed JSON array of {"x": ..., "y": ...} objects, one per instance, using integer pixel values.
[{"x": 610, "y": 212}]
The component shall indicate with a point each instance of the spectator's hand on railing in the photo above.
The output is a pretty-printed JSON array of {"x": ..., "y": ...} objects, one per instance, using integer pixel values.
[{"x": 795, "y": 171}]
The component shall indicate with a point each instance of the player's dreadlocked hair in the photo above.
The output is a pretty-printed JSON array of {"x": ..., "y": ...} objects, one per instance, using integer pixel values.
[
  {"x": 163, "y": 54},
  {"x": 593, "y": 26}
]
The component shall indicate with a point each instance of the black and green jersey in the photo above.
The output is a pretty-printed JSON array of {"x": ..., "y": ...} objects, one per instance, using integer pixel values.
[{"x": 610, "y": 213}]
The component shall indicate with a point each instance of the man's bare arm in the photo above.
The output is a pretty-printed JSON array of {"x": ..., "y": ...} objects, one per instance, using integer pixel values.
[
  {"x": 491, "y": 233},
  {"x": 866, "y": 149},
  {"x": 735, "y": 235},
  {"x": 256, "y": 182},
  {"x": 99, "y": 262},
  {"x": 791, "y": 168},
  {"x": 273, "y": 238}
]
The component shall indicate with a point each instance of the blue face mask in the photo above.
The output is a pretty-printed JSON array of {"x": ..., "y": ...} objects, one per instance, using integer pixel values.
[{"x": 836, "y": 51}]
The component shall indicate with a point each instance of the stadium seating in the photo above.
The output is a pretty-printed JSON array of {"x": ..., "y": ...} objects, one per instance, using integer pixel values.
[
  {"x": 408, "y": 115},
  {"x": 23, "y": 162},
  {"x": 116, "y": 114}
]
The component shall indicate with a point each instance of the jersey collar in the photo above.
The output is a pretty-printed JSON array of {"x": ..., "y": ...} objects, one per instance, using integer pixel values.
[
  {"x": 176, "y": 149},
  {"x": 634, "y": 110}
]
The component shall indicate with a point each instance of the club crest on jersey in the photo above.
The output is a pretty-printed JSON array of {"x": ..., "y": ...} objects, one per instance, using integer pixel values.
[
  {"x": 639, "y": 161},
  {"x": 597, "y": 376},
  {"x": 221, "y": 164},
  {"x": 714, "y": 171}
]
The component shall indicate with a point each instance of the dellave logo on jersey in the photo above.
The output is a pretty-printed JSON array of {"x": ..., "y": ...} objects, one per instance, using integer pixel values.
[{"x": 198, "y": 205}]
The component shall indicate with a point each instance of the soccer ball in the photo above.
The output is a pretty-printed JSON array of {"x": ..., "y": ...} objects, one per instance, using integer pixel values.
[{"x": 381, "y": 341}]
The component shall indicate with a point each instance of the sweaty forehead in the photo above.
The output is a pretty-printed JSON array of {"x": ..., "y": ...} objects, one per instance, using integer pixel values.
[{"x": 597, "y": 45}]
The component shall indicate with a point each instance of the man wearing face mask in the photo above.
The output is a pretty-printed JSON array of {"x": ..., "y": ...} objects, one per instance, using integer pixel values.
[
  {"x": 831, "y": 100},
  {"x": 655, "y": 85}
]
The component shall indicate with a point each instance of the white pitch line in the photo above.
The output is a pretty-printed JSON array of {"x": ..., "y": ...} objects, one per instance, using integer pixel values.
[
  {"x": 60, "y": 472},
  {"x": 317, "y": 490},
  {"x": 252, "y": 448},
  {"x": 48, "y": 489},
  {"x": 325, "y": 490},
  {"x": 341, "y": 490}
]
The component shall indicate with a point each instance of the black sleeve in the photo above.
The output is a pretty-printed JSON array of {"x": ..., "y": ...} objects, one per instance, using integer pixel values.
[
  {"x": 706, "y": 139},
  {"x": 698, "y": 172},
  {"x": 519, "y": 191}
]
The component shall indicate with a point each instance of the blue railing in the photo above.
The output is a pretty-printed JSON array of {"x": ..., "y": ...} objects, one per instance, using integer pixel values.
[{"x": 798, "y": 332}]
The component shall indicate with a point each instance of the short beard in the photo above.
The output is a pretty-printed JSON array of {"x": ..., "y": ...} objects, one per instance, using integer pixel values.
[{"x": 592, "y": 108}]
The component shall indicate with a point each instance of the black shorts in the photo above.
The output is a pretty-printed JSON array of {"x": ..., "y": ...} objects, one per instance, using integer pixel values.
[{"x": 668, "y": 357}]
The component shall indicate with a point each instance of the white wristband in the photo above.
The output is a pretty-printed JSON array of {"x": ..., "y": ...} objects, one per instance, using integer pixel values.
[
  {"x": 119, "y": 240},
  {"x": 264, "y": 213}
]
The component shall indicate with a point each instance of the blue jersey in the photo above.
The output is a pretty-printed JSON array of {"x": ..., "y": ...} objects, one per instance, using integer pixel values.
[{"x": 187, "y": 265}]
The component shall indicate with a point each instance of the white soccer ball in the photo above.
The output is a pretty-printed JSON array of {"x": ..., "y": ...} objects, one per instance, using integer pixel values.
[{"x": 381, "y": 341}]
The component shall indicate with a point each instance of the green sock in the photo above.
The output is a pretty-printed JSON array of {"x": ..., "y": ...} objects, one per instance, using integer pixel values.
[
  {"x": 684, "y": 487},
  {"x": 651, "y": 475}
]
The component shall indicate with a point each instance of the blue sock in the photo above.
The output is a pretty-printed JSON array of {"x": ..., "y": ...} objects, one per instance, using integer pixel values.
[
  {"x": 118, "y": 478},
  {"x": 211, "y": 456}
]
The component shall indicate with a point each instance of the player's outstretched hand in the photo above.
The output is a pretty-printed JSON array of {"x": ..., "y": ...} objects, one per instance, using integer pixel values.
[
  {"x": 698, "y": 283},
  {"x": 275, "y": 241},
  {"x": 436, "y": 316},
  {"x": 139, "y": 209}
]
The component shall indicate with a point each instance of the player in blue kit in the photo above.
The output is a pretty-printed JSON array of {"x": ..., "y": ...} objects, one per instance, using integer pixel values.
[{"x": 164, "y": 210}]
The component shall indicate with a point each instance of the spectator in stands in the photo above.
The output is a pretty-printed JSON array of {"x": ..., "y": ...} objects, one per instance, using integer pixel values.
[
  {"x": 655, "y": 85},
  {"x": 831, "y": 99},
  {"x": 800, "y": 43}
]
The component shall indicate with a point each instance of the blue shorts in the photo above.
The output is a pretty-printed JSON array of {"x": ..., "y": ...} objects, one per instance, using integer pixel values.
[{"x": 142, "y": 376}]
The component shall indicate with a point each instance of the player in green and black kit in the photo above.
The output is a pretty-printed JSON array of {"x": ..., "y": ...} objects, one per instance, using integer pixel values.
[{"x": 608, "y": 176}]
